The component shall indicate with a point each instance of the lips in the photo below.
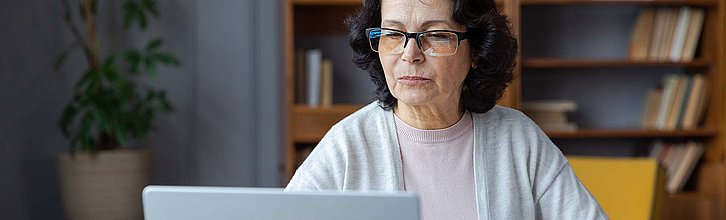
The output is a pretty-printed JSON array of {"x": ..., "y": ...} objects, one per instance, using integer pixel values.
[{"x": 413, "y": 80}]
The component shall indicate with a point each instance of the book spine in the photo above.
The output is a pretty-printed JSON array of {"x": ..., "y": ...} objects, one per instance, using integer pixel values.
[{"x": 314, "y": 60}]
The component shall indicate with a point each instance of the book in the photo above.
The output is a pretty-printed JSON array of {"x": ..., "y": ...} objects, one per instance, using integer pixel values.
[
  {"x": 300, "y": 76},
  {"x": 669, "y": 29},
  {"x": 641, "y": 35},
  {"x": 679, "y": 37},
  {"x": 549, "y": 106},
  {"x": 695, "y": 91},
  {"x": 551, "y": 115},
  {"x": 675, "y": 107},
  {"x": 650, "y": 109},
  {"x": 691, "y": 153},
  {"x": 702, "y": 102},
  {"x": 626, "y": 188},
  {"x": 659, "y": 29},
  {"x": 313, "y": 64},
  {"x": 669, "y": 86},
  {"x": 694, "y": 34},
  {"x": 326, "y": 95},
  {"x": 675, "y": 157},
  {"x": 688, "y": 83},
  {"x": 548, "y": 117}
]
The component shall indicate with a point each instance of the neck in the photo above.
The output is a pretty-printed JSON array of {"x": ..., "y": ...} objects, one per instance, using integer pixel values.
[{"x": 429, "y": 117}]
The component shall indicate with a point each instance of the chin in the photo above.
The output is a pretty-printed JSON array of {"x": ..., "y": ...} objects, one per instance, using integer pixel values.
[{"x": 414, "y": 100}]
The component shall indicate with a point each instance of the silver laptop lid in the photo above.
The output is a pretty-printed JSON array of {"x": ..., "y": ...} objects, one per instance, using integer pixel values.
[{"x": 223, "y": 203}]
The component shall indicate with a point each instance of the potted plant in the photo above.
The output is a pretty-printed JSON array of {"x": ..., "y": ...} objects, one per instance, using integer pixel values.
[{"x": 101, "y": 176}]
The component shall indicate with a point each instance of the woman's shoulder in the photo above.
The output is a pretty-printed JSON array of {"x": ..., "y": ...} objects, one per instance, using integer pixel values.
[
  {"x": 369, "y": 114},
  {"x": 370, "y": 120}
]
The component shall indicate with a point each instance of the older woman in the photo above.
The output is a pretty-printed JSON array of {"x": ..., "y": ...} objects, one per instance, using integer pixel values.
[{"x": 439, "y": 67}]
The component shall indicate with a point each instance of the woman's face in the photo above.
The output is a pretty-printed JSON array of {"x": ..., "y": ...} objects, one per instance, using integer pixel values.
[{"x": 415, "y": 78}]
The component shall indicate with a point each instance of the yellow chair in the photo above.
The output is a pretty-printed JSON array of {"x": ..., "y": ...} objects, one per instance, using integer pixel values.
[{"x": 626, "y": 188}]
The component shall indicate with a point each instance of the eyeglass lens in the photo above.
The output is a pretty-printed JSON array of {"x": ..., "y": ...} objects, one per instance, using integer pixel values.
[{"x": 436, "y": 43}]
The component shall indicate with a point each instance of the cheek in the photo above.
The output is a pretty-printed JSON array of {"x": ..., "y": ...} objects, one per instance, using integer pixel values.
[{"x": 387, "y": 63}]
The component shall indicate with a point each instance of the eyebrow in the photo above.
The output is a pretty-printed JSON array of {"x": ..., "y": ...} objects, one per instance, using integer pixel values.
[{"x": 423, "y": 25}]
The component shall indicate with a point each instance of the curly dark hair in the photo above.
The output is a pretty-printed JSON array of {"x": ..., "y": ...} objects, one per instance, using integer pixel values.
[{"x": 490, "y": 40}]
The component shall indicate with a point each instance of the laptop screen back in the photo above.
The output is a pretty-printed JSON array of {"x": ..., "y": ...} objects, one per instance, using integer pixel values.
[{"x": 197, "y": 203}]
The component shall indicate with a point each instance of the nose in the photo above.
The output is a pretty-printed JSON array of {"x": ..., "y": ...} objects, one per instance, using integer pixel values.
[{"x": 411, "y": 52}]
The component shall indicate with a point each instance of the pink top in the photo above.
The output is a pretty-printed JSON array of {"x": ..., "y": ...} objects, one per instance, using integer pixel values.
[{"x": 438, "y": 166}]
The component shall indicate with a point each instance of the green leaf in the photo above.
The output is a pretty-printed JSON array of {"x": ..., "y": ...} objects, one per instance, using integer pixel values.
[
  {"x": 150, "y": 66},
  {"x": 129, "y": 14},
  {"x": 84, "y": 131},
  {"x": 69, "y": 113},
  {"x": 167, "y": 59},
  {"x": 66, "y": 10},
  {"x": 62, "y": 57},
  {"x": 94, "y": 7},
  {"x": 133, "y": 59},
  {"x": 142, "y": 20},
  {"x": 154, "y": 44},
  {"x": 150, "y": 6},
  {"x": 85, "y": 79}
]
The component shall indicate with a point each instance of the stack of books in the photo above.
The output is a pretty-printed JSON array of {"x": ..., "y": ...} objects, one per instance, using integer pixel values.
[
  {"x": 551, "y": 115},
  {"x": 666, "y": 34},
  {"x": 313, "y": 78},
  {"x": 680, "y": 103},
  {"x": 679, "y": 159}
]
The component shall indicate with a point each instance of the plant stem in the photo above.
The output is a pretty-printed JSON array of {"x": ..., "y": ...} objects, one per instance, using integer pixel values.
[
  {"x": 91, "y": 33},
  {"x": 74, "y": 30}
]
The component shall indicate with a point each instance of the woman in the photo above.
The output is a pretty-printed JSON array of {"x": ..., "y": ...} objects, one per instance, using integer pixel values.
[{"x": 439, "y": 67}]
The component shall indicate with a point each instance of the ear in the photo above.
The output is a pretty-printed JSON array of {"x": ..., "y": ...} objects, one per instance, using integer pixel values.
[{"x": 474, "y": 62}]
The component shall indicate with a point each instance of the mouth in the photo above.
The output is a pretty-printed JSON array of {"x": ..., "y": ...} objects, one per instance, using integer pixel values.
[{"x": 413, "y": 80}]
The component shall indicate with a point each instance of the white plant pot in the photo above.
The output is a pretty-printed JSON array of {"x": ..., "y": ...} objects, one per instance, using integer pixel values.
[{"x": 104, "y": 186}]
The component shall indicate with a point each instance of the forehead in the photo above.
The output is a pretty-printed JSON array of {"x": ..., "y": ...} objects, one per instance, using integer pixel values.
[{"x": 415, "y": 12}]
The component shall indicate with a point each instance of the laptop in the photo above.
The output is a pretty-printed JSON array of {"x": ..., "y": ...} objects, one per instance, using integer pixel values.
[{"x": 241, "y": 203}]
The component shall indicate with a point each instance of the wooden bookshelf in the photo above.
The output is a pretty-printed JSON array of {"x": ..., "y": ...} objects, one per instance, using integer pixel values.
[
  {"x": 632, "y": 133},
  {"x": 553, "y": 63},
  {"x": 311, "y": 123},
  {"x": 709, "y": 199}
]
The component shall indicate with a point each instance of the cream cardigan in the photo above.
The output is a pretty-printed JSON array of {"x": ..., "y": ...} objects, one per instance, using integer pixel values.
[{"x": 519, "y": 173}]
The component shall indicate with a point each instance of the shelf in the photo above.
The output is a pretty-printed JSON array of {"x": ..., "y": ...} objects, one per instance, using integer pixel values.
[
  {"x": 632, "y": 133},
  {"x": 620, "y": 2},
  {"x": 309, "y": 124},
  {"x": 550, "y": 63}
]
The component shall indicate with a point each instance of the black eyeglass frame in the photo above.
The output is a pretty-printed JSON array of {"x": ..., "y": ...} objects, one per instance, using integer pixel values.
[{"x": 415, "y": 35}]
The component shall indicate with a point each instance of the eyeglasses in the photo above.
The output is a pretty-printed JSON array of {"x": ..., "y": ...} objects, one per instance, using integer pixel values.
[{"x": 432, "y": 43}]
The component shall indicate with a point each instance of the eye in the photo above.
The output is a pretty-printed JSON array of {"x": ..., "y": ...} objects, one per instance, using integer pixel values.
[
  {"x": 392, "y": 36},
  {"x": 442, "y": 36}
]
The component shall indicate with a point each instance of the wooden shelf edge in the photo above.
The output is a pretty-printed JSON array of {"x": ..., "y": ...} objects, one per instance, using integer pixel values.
[
  {"x": 545, "y": 63},
  {"x": 631, "y": 133},
  {"x": 307, "y": 138},
  {"x": 622, "y": 2}
]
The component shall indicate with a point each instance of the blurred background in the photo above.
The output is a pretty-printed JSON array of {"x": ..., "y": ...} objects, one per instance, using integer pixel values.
[{"x": 225, "y": 130}]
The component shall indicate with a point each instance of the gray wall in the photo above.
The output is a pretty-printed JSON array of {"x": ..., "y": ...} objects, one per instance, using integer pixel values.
[{"x": 227, "y": 125}]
